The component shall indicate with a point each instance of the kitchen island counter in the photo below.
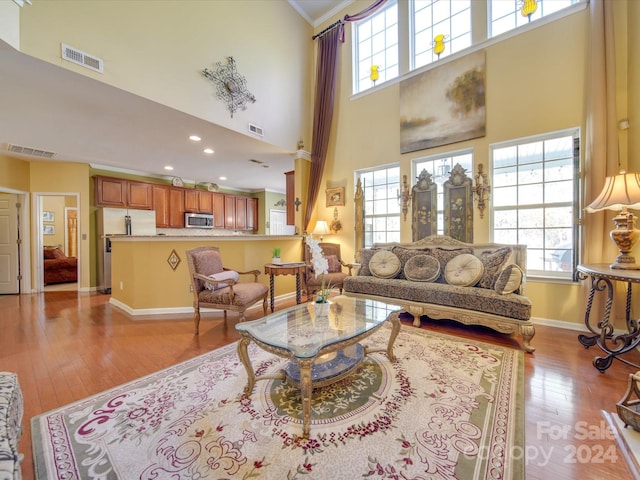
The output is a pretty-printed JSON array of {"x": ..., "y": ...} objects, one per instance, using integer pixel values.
[{"x": 149, "y": 273}]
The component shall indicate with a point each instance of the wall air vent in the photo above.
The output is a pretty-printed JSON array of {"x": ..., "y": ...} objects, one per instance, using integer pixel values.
[
  {"x": 34, "y": 152},
  {"x": 259, "y": 162},
  {"x": 256, "y": 130},
  {"x": 81, "y": 58}
]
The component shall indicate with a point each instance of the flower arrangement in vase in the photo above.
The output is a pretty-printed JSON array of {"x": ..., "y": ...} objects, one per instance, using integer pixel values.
[{"x": 320, "y": 267}]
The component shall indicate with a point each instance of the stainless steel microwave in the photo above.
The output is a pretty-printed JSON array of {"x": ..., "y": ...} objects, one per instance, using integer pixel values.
[{"x": 198, "y": 220}]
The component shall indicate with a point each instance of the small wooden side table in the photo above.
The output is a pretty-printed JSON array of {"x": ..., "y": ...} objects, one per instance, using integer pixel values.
[
  {"x": 273, "y": 269},
  {"x": 602, "y": 332}
]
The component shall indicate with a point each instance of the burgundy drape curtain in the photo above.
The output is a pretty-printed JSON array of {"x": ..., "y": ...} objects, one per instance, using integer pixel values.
[
  {"x": 326, "y": 74},
  {"x": 326, "y": 77}
]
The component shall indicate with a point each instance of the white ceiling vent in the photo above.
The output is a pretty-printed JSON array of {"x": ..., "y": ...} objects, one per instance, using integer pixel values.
[
  {"x": 81, "y": 58},
  {"x": 34, "y": 152},
  {"x": 255, "y": 129}
]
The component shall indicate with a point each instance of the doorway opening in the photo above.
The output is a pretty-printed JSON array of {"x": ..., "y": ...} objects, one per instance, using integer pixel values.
[{"x": 57, "y": 250}]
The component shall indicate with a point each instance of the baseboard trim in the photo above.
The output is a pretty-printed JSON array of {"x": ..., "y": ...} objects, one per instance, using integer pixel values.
[
  {"x": 578, "y": 327},
  {"x": 135, "y": 312}
]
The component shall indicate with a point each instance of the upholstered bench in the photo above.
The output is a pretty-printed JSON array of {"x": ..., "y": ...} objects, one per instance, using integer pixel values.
[{"x": 11, "y": 410}]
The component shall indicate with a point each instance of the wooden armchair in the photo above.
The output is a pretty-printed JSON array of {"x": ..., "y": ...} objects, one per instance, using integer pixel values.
[
  {"x": 336, "y": 274},
  {"x": 224, "y": 291}
]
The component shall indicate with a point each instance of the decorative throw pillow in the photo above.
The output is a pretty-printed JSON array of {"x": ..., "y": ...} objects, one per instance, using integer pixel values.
[
  {"x": 365, "y": 255},
  {"x": 445, "y": 255},
  {"x": 405, "y": 254},
  {"x": 509, "y": 279},
  {"x": 422, "y": 268},
  {"x": 334, "y": 264},
  {"x": 218, "y": 277},
  {"x": 493, "y": 262},
  {"x": 464, "y": 270},
  {"x": 384, "y": 264}
]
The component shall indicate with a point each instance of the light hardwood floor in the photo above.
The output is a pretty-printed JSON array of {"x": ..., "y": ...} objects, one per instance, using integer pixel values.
[{"x": 65, "y": 346}]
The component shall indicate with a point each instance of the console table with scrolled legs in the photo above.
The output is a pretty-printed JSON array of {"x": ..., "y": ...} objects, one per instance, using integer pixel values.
[{"x": 603, "y": 335}]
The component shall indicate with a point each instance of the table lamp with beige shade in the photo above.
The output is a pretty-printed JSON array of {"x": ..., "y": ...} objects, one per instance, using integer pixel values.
[
  {"x": 321, "y": 229},
  {"x": 621, "y": 192}
]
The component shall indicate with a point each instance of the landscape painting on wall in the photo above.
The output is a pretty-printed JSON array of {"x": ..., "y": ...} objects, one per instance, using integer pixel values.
[{"x": 443, "y": 105}]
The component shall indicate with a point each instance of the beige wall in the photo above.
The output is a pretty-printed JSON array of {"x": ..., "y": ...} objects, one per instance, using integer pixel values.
[
  {"x": 161, "y": 59},
  {"x": 535, "y": 84},
  {"x": 14, "y": 174},
  {"x": 64, "y": 177}
]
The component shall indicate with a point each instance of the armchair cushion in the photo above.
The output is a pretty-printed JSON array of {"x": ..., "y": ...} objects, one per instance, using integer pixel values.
[
  {"x": 220, "y": 277},
  {"x": 207, "y": 263},
  {"x": 244, "y": 294},
  {"x": 334, "y": 263}
]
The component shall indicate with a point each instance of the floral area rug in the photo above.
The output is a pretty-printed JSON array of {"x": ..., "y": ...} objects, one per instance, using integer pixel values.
[{"x": 448, "y": 408}]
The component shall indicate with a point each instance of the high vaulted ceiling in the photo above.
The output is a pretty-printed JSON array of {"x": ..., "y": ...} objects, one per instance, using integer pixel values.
[{"x": 51, "y": 109}]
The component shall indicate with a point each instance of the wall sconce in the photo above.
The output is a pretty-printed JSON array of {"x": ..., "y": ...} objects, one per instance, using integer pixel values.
[
  {"x": 297, "y": 203},
  {"x": 482, "y": 189},
  {"x": 528, "y": 8},
  {"x": 336, "y": 225},
  {"x": 374, "y": 75},
  {"x": 404, "y": 197}
]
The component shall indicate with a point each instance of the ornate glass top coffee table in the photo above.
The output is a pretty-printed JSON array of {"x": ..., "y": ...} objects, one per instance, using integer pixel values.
[{"x": 322, "y": 348}]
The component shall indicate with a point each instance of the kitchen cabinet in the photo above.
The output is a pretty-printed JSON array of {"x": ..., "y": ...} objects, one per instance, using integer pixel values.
[
  {"x": 252, "y": 214},
  {"x": 139, "y": 195},
  {"x": 198, "y": 201},
  {"x": 110, "y": 192},
  {"x": 218, "y": 210},
  {"x": 230, "y": 212},
  {"x": 241, "y": 213},
  {"x": 290, "y": 196},
  {"x": 161, "y": 205},
  {"x": 176, "y": 208},
  {"x": 117, "y": 192}
]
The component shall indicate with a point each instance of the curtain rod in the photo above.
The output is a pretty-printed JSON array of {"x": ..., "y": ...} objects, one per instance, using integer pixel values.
[{"x": 333, "y": 25}]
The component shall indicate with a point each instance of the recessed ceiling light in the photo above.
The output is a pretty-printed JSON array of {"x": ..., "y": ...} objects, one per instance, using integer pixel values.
[
  {"x": 195, "y": 138},
  {"x": 223, "y": 178},
  {"x": 168, "y": 167},
  {"x": 208, "y": 150}
]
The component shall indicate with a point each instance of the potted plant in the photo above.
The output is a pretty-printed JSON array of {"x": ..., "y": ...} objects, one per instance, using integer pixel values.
[{"x": 275, "y": 256}]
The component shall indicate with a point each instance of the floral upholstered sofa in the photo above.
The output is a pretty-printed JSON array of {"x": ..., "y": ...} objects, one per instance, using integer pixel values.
[{"x": 443, "y": 278}]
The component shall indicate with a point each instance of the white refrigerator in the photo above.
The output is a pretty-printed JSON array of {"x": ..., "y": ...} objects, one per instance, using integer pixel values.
[{"x": 118, "y": 221}]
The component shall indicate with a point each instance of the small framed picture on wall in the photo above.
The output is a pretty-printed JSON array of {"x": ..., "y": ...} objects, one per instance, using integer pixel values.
[
  {"x": 48, "y": 217},
  {"x": 335, "y": 197},
  {"x": 48, "y": 230}
]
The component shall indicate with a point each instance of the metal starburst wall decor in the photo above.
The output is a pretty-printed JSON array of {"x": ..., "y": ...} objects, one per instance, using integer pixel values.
[{"x": 231, "y": 87}]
